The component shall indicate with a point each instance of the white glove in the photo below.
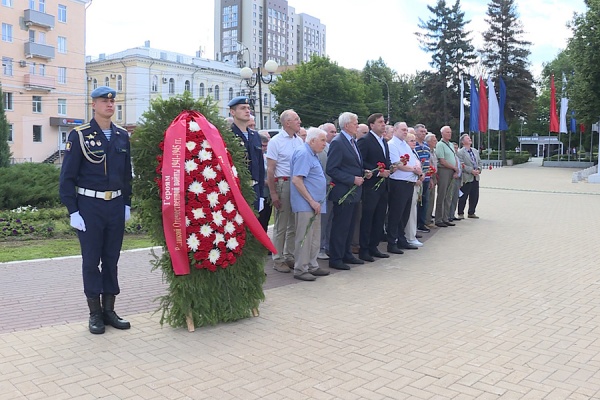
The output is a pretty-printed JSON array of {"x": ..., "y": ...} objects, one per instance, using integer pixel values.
[
  {"x": 127, "y": 213},
  {"x": 77, "y": 221}
]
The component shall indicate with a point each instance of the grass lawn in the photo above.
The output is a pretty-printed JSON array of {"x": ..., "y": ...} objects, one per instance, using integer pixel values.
[{"x": 50, "y": 248}]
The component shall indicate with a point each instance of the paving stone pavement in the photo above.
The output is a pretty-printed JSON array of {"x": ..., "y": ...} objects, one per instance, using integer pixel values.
[{"x": 504, "y": 307}]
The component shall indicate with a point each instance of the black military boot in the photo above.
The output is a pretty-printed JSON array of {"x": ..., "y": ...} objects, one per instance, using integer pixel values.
[
  {"x": 96, "y": 323},
  {"x": 110, "y": 316}
]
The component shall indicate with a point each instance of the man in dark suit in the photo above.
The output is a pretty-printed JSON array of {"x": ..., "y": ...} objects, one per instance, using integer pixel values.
[
  {"x": 373, "y": 149},
  {"x": 345, "y": 167},
  {"x": 239, "y": 108}
]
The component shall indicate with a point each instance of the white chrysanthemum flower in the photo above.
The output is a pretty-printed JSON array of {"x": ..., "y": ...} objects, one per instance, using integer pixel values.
[
  {"x": 187, "y": 221},
  {"x": 218, "y": 218},
  {"x": 206, "y": 145},
  {"x": 193, "y": 242},
  {"x": 198, "y": 213},
  {"x": 232, "y": 244},
  {"x": 190, "y": 166},
  {"x": 218, "y": 167},
  {"x": 190, "y": 145},
  {"x": 234, "y": 171},
  {"x": 205, "y": 155},
  {"x": 209, "y": 173},
  {"x": 206, "y": 230},
  {"x": 229, "y": 227},
  {"x": 193, "y": 126},
  {"x": 223, "y": 187},
  {"x": 238, "y": 219},
  {"x": 213, "y": 199},
  {"x": 214, "y": 255},
  {"x": 229, "y": 207},
  {"x": 196, "y": 187},
  {"x": 219, "y": 238}
]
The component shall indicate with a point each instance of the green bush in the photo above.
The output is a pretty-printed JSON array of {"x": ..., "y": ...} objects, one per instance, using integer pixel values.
[{"x": 29, "y": 184}]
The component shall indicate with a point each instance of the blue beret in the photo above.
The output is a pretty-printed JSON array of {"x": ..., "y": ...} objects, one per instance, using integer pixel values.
[
  {"x": 239, "y": 100},
  {"x": 104, "y": 91}
]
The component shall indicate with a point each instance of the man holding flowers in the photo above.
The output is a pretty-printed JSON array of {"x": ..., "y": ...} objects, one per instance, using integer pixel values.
[{"x": 308, "y": 197}]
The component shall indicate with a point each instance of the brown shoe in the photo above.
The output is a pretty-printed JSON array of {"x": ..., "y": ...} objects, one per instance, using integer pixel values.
[
  {"x": 306, "y": 276},
  {"x": 281, "y": 268},
  {"x": 355, "y": 249}
]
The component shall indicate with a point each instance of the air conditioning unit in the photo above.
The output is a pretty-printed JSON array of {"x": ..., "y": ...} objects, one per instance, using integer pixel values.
[
  {"x": 165, "y": 80},
  {"x": 113, "y": 76},
  {"x": 22, "y": 63},
  {"x": 90, "y": 79}
]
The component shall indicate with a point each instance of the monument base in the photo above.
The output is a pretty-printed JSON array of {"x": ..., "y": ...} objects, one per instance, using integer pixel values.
[{"x": 594, "y": 178}]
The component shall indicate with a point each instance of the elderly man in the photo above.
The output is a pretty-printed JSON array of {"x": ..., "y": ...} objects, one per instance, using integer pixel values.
[
  {"x": 424, "y": 154},
  {"x": 362, "y": 130},
  {"x": 308, "y": 196},
  {"x": 239, "y": 108},
  {"x": 402, "y": 183},
  {"x": 302, "y": 134},
  {"x": 447, "y": 171},
  {"x": 471, "y": 169},
  {"x": 374, "y": 151},
  {"x": 345, "y": 167},
  {"x": 279, "y": 155},
  {"x": 431, "y": 141},
  {"x": 327, "y": 216}
]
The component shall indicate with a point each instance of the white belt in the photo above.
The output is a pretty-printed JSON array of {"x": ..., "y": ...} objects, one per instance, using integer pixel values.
[{"x": 99, "y": 195}]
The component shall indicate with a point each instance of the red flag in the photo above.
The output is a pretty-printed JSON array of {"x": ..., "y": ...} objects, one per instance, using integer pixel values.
[
  {"x": 554, "y": 126},
  {"x": 581, "y": 128},
  {"x": 483, "y": 107}
]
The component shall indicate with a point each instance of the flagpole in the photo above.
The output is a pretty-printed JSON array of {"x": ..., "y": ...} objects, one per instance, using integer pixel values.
[{"x": 569, "y": 158}]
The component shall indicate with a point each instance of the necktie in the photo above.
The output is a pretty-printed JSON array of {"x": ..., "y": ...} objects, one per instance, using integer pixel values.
[
  {"x": 355, "y": 148},
  {"x": 472, "y": 157}
]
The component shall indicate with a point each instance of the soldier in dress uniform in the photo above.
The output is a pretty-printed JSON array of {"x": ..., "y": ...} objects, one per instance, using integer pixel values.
[
  {"x": 95, "y": 186},
  {"x": 239, "y": 108}
]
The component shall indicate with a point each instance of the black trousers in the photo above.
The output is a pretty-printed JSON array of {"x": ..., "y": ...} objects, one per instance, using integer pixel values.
[
  {"x": 471, "y": 191},
  {"x": 400, "y": 199},
  {"x": 342, "y": 228},
  {"x": 374, "y": 208}
]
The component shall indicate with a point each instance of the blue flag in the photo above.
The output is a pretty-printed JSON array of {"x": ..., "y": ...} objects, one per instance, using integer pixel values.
[
  {"x": 474, "y": 109},
  {"x": 573, "y": 122},
  {"x": 503, "y": 124}
]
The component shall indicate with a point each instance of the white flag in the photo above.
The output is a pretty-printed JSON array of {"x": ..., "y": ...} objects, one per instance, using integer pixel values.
[
  {"x": 564, "y": 106},
  {"x": 462, "y": 105},
  {"x": 493, "y": 108}
]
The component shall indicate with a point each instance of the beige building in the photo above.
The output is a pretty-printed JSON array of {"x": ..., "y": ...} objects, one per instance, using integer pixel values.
[
  {"x": 43, "y": 74},
  {"x": 142, "y": 74}
]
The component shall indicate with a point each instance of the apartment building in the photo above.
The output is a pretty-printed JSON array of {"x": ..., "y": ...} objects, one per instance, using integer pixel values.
[
  {"x": 250, "y": 32},
  {"x": 43, "y": 74},
  {"x": 142, "y": 74}
]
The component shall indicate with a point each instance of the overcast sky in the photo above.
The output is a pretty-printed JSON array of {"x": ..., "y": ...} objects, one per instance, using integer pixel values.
[{"x": 357, "y": 30}]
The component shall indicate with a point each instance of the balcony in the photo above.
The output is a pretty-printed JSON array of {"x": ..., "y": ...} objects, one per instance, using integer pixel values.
[
  {"x": 37, "y": 82},
  {"x": 32, "y": 17},
  {"x": 39, "y": 50}
]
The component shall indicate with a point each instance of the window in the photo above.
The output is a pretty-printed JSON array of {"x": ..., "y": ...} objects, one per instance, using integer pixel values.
[
  {"x": 42, "y": 6},
  {"x": 230, "y": 93},
  {"x": 37, "y": 133},
  {"x": 7, "y": 33},
  {"x": 32, "y": 35},
  {"x": 106, "y": 81},
  {"x": 120, "y": 83},
  {"x": 217, "y": 92},
  {"x": 95, "y": 83},
  {"x": 8, "y": 101},
  {"x": 243, "y": 92},
  {"x": 62, "y": 13},
  {"x": 7, "y": 3},
  {"x": 10, "y": 132},
  {"x": 7, "y": 66},
  {"x": 187, "y": 86},
  {"x": 32, "y": 4},
  {"x": 62, "y": 106},
  {"x": 42, "y": 70},
  {"x": 154, "y": 87},
  {"x": 41, "y": 38},
  {"x": 265, "y": 99},
  {"x": 62, "y": 75},
  {"x": 119, "y": 112},
  {"x": 172, "y": 86},
  {"x": 201, "y": 90},
  {"x": 32, "y": 68},
  {"x": 62, "y": 44},
  {"x": 37, "y": 104}
]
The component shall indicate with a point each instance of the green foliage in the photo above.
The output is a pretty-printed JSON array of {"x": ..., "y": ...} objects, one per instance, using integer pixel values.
[
  {"x": 320, "y": 90},
  {"x": 4, "y": 148},
  {"x": 209, "y": 297},
  {"x": 29, "y": 183}
]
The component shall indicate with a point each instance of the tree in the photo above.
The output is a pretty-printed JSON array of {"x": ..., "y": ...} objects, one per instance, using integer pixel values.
[
  {"x": 319, "y": 91},
  {"x": 5, "y": 153},
  {"x": 452, "y": 54}
]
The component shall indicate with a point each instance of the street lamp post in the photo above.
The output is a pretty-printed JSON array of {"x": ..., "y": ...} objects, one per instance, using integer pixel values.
[
  {"x": 253, "y": 79},
  {"x": 388, "y": 95}
]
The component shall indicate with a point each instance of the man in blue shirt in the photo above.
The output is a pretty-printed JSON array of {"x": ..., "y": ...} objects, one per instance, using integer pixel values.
[
  {"x": 424, "y": 153},
  {"x": 308, "y": 198}
]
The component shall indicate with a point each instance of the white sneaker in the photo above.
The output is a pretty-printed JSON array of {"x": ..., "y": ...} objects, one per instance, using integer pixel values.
[
  {"x": 415, "y": 243},
  {"x": 322, "y": 256}
]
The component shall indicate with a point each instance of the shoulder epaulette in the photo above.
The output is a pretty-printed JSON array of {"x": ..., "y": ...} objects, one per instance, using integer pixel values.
[
  {"x": 82, "y": 127},
  {"x": 119, "y": 127}
]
